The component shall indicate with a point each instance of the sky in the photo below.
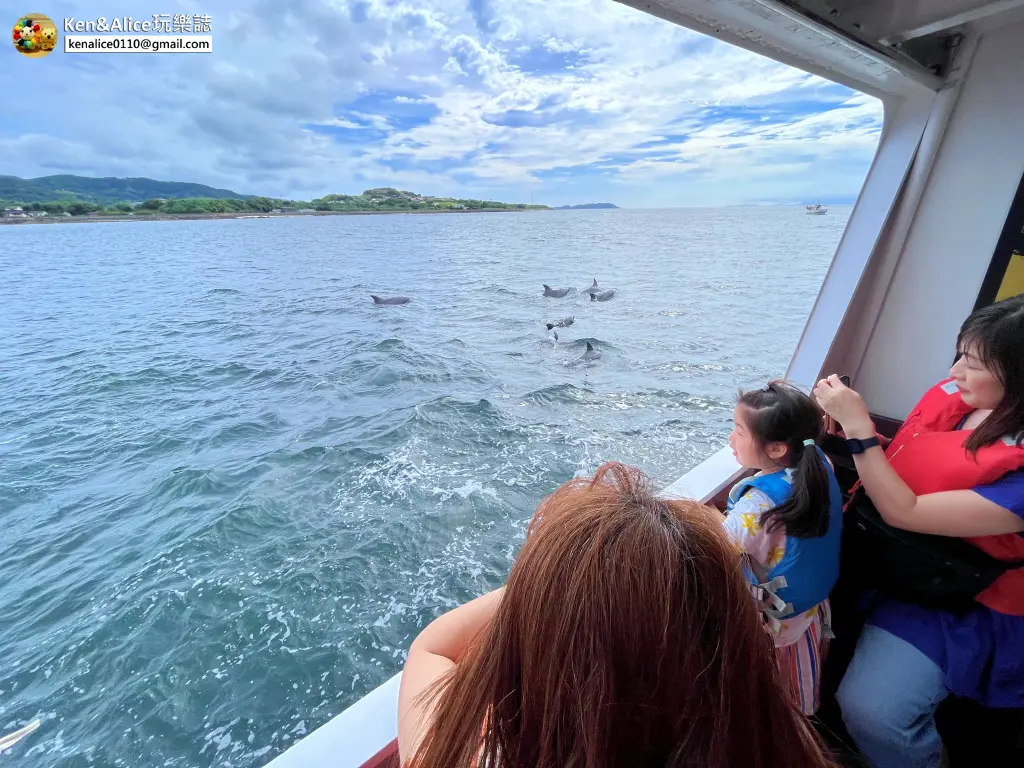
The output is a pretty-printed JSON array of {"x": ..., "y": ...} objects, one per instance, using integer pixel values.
[{"x": 567, "y": 101}]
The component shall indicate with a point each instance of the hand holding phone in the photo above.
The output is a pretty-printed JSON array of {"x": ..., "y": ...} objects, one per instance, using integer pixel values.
[{"x": 832, "y": 427}]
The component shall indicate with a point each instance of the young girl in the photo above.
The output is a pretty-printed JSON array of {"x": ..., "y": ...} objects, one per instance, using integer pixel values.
[{"x": 786, "y": 522}]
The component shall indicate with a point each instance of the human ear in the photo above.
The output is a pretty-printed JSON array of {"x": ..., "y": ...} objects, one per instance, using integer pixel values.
[{"x": 776, "y": 451}]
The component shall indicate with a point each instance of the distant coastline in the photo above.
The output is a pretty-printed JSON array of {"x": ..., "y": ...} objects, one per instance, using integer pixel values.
[
  {"x": 87, "y": 219},
  {"x": 67, "y": 198},
  {"x": 113, "y": 199}
]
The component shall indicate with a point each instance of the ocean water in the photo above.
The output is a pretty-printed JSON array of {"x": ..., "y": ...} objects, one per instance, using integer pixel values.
[{"x": 232, "y": 490}]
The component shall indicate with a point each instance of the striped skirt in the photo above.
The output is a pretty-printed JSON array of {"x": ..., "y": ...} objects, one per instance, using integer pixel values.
[{"x": 800, "y": 663}]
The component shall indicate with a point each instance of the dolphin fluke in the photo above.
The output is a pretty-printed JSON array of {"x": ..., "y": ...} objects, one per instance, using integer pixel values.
[{"x": 390, "y": 301}]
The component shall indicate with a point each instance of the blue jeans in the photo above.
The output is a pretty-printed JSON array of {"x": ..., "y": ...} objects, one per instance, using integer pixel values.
[{"x": 888, "y": 697}]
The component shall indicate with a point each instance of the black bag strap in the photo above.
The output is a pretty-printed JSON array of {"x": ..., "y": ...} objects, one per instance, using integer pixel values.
[{"x": 861, "y": 504}]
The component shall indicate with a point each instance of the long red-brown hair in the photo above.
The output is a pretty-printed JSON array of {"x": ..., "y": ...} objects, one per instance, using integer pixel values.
[{"x": 626, "y": 636}]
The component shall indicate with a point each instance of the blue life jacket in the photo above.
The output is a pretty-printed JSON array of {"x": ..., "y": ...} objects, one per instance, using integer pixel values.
[{"x": 808, "y": 570}]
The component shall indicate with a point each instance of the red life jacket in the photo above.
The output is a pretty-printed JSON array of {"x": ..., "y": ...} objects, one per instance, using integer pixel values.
[{"x": 928, "y": 454}]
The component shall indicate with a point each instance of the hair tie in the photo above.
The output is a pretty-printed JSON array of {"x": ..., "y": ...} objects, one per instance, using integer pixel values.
[{"x": 809, "y": 441}]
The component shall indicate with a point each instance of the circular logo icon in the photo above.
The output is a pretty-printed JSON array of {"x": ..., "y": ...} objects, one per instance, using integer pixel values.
[{"x": 35, "y": 35}]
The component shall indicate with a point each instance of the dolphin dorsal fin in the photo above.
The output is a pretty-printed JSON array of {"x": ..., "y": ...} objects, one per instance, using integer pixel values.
[
  {"x": 590, "y": 347},
  {"x": 595, "y": 283}
]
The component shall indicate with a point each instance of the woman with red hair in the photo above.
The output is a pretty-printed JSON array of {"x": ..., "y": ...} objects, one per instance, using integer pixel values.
[{"x": 625, "y": 636}]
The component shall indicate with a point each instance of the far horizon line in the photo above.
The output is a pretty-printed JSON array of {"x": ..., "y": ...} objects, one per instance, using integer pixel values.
[
  {"x": 533, "y": 201},
  {"x": 699, "y": 207}
]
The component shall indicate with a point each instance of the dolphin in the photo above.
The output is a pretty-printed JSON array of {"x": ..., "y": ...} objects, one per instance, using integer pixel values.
[
  {"x": 602, "y": 295},
  {"x": 13, "y": 738},
  {"x": 555, "y": 293},
  {"x": 593, "y": 289},
  {"x": 592, "y": 353},
  {"x": 391, "y": 301},
  {"x": 565, "y": 322}
]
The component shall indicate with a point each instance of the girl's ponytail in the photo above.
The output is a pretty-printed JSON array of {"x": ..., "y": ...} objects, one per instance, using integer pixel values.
[{"x": 805, "y": 513}]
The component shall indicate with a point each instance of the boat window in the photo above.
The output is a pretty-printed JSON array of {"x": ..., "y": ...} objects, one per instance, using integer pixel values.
[{"x": 1005, "y": 276}]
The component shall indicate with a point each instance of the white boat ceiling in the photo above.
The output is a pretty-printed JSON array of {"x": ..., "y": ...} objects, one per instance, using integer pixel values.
[{"x": 881, "y": 47}]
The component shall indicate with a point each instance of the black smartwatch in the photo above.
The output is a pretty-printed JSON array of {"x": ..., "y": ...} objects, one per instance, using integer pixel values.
[{"x": 859, "y": 446}]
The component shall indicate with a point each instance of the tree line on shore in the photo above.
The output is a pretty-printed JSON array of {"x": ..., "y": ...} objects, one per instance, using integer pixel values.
[{"x": 380, "y": 199}]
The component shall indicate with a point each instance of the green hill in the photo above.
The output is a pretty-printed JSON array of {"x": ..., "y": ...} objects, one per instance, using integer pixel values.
[
  {"x": 103, "y": 191},
  {"x": 81, "y": 195}
]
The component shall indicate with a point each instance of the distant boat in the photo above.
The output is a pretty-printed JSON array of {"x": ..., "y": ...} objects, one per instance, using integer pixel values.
[{"x": 817, "y": 210}]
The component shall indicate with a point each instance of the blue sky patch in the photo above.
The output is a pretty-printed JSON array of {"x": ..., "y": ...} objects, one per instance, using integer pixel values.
[{"x": 540, "y": 60}]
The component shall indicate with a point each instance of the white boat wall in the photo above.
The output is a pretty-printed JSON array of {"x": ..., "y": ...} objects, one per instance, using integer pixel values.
[{"x": 924, "y": 242}]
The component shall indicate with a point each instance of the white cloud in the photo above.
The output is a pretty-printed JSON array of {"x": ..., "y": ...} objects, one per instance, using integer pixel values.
[
  {"x": 452, "y": 67},
  {"x": 339, "y": 122},
  {"x": 560, "y": 46},
  {"x": 627, "y": 105},
  {"x": 376, "y": 121}
]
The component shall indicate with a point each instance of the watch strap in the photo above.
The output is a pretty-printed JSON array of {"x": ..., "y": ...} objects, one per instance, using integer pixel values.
[{"x": 859, "y": 446}]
